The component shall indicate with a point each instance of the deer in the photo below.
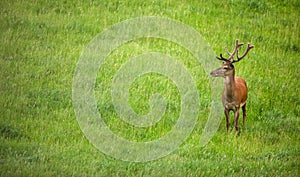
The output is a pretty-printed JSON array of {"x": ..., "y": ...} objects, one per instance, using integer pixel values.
[{"x": 235, "y": 91}]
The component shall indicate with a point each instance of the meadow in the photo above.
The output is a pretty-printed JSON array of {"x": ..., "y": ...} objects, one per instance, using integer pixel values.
[{"x": 41, "y": 42}]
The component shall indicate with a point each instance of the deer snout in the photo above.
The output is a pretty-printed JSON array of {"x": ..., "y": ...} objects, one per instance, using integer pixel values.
[
  {"x": 215, "y": 73},
  {"x": 212, "y": 74}
]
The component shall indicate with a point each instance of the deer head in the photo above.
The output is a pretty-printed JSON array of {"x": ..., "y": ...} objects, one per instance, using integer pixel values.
[{"x": 227, "y": 68}]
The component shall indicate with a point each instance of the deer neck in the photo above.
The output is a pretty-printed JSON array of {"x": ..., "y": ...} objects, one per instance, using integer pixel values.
[{"x": 229, "y": 86}]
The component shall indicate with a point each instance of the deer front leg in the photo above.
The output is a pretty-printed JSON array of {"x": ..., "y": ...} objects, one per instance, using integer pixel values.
[
  {"x": 236, "y": 119},
  {"x": 244, "y": 114},
  {"x": 226, "y": 111}
]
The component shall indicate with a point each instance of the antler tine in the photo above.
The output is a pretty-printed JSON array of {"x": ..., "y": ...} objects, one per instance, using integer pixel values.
[
  {"x": 222, "y": 58},
  {"x": 249, "y": 47},
  {"x": 226, "y": 48}
]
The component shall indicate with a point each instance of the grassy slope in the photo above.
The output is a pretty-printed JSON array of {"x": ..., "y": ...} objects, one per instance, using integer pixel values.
[{"x": 41, "y": 43}]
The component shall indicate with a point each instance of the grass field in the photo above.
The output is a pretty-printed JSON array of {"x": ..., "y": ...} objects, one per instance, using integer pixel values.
[{"x": 41, "y": 42}]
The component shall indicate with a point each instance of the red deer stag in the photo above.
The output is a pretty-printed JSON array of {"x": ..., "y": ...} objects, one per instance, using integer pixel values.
[{"x": 235, "y": 90}]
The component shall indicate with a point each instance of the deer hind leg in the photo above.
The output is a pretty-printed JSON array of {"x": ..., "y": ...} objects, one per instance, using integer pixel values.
[
  {"x": 236, "y": 119},
  {"x": 244, "y": 113},
  {"x": 226, "y": 111}
]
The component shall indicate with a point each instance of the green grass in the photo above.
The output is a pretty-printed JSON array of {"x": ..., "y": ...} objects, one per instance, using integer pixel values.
[{"x": 41, "y": 43}]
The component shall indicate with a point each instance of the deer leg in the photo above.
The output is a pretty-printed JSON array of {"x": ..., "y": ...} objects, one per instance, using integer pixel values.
[
  {"x": 226, "y": 111},
  {"x": 244, "y": 113},
  {"x": 236, "y": 119}
]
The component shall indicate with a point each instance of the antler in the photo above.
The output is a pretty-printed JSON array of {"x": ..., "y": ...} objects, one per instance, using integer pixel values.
[
  {"x": 237, "y": 45},
  {"x": 249, "y": 47},
  {"x": 236, "y": 51}
]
